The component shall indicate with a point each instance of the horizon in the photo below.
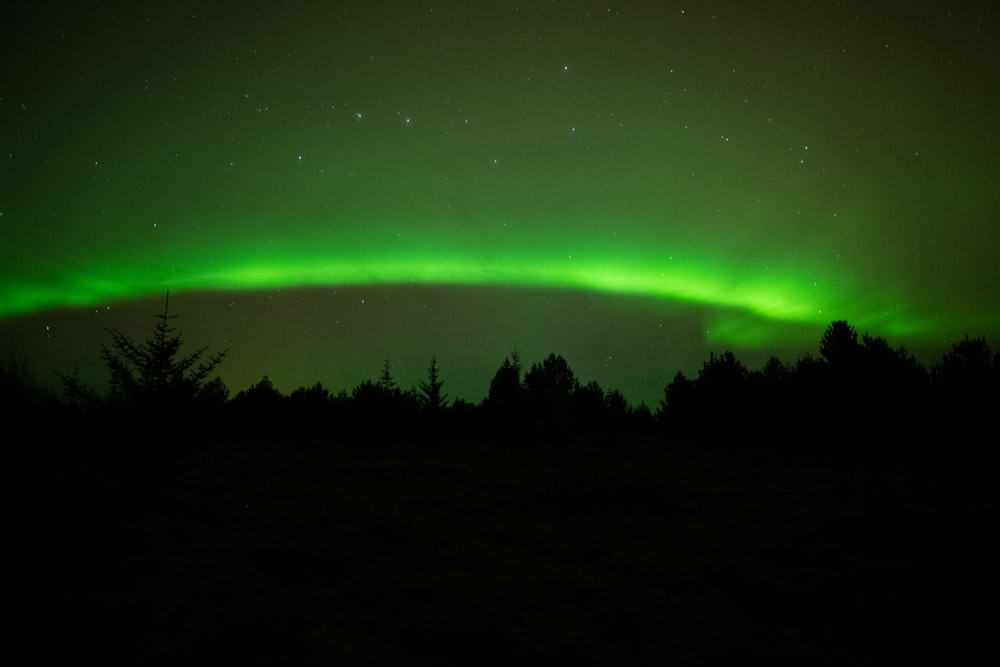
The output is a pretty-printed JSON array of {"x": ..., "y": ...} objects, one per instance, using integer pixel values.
[
  {"x": 323, "y": 186},
  {"x": 332, "y": 353}
]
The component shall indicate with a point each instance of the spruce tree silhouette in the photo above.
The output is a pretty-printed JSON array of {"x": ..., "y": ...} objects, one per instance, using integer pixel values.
[
  {"x": 430, "y": 391},
  {"x": 384, "y": 401},
  {"x": 151, "y": 371},
  {"x": 386, "y": 382},
  {"x": 150, "y": 376}
]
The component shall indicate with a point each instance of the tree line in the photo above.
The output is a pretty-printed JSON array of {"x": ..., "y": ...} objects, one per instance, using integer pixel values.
[{"x": 858, "y": 386}]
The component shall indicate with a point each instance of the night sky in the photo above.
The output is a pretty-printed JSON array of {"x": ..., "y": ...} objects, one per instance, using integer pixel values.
[{"x": 324, "y": 185}]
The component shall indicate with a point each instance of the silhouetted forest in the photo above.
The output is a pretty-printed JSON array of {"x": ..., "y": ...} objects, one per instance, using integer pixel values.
[
  {"x": 859, "y": 392},
  {"x": 834, "y": 510}
]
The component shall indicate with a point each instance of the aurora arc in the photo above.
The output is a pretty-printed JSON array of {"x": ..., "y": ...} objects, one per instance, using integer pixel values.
[
  {"x": 741, "y": 175},
  {"x": 778, "y": 294}
]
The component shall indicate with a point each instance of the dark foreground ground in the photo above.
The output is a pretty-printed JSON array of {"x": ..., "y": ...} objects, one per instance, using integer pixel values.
[{"x": 290, "y": 552}]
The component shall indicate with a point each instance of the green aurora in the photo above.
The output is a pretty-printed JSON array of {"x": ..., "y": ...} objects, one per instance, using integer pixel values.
[
  {"x": 771, "y": 293},
  {"x": 774, "y": 170}
]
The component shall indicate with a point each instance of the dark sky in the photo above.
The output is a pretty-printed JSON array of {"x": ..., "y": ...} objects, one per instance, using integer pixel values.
[{"x": 323, "y": 185}]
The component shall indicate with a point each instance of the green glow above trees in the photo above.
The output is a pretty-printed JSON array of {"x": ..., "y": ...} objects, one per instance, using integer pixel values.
[
  {"x": 777, "y": 293},
  {"x": 712, "y": 159}
]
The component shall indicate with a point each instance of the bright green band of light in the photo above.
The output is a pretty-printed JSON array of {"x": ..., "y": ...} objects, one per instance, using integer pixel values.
[
  {"x": 761, "y": 173},
  {"x": 775, "y": 293}
]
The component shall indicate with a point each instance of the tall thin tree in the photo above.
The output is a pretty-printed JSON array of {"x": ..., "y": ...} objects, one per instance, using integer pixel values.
[{"x": 431, "y": 396}]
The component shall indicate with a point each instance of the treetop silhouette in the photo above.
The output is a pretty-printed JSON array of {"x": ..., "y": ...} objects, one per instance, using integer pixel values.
[
  {"x": 386, "y": 381},
  {"x": 151, "y": 372},
  {"x": 550, "y": 384},
  {"x": 859, "y": 383},
  {"x": 505, "y": 387},
  {"x": 431, "y": 396},
  {"x": 839, "y": 345}
]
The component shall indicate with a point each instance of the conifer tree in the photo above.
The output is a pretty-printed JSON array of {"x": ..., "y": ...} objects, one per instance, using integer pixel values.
[
  {"x": 430, "y": 391},
  {"x": 505, "y": 387},
  {"x": 151, "y": 372},
  {"x": 386, "y": 382}
]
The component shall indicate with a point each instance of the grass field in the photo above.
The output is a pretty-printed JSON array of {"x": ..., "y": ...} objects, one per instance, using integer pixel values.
[{"x": 299, "y": 552}]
